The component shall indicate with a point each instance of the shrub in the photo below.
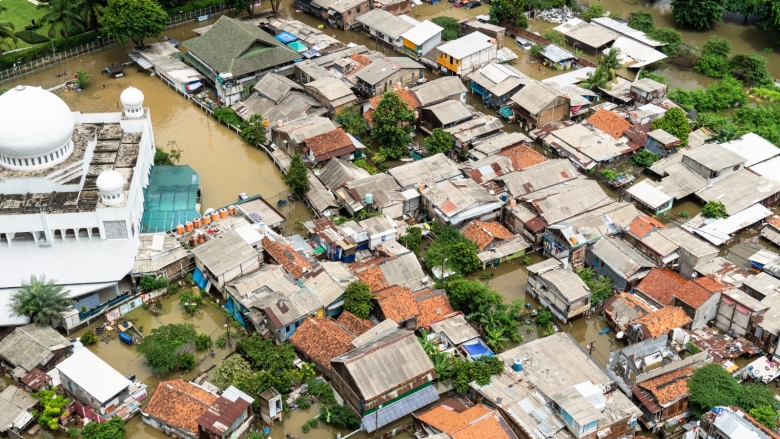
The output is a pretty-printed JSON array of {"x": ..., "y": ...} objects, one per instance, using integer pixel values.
[
  {"x": 339, "y": 415},
  {"x": 684, "y": 214},
  {"x": 321, "y": 390},
  {"x": 451, "y": 27},
  {"x": 609, "y": 174},
  {"x": 227, "y": 115},
  {"x": 641, "y": 20},
  {"x": 186, "y": 361},
  {"x": 30, "y": 37},
  {"x": 544, "y": 318},
  {"x": 643, "y": 158},
  {"x": 717, "y": 46},
  {"x": 151, "y": 283},
  {"x": 595, "y": 10},
  {"x": 713, "y": 66},
  {"x": 303, "y": 402},
  {"x": 671, "y": 37},
  {"x": 221, "y": 341},
  {"x": 203, "y": 342},
  {"x": 88, "y": 338},
  {"x": 82, "y": 78},
  {"x": 714, "y": 209},
  {"x": 555, "y": 37}
]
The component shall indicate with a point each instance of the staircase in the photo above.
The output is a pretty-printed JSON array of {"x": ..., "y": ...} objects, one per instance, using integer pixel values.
[{"x": 44, "y": 241}]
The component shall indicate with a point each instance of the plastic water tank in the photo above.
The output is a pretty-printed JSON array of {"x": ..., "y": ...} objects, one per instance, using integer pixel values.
[
  {"x": 369, "y": 199},
  {"x": 503, "y": 197},
  {"x": 517, "y": 366}
]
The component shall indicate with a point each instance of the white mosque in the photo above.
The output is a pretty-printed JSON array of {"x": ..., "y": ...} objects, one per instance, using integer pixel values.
[{"x": 71, "y": 195}]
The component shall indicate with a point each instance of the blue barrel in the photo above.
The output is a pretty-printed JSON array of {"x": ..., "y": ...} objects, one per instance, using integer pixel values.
[
  {"x": 517, "y": 366},
  {"x": 503, "y": 196},
  {"x": 125, "y": 338}
]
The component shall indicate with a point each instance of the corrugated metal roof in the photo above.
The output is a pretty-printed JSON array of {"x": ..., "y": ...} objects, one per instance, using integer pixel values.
[
  {"x": 456, "y": 328},
  {"x": 571, "y": 77},
  {"x": 385, "y": 22},
  {"x": 589, "y": 34},
  {"x": 429, "y": 170},
  {"x": 422, "y": 32},
  {"x": 337, "y": 172},
  {"x": 449, "y": 111},
  {"x": 567, "y": 283},
  {"x": 469, "y": 130},
  {"x": 620, "y": 256},
  {"x": 93, "y": 375},
  {"x": 566, "y": 200},
  {"x": 318, "y": 195},
  {"x": 381, "y": 69},
  {"x": 541, "y": 176},
  {"x": 398, "y": 355},
  {"x": 714, "y": 157},
  {"x": 499, "y": 79},
  {"x": 624, "y": 29},
  {"x": 495, "y": 144},
  {"x": 537, "y": 96},
  {"x": 556, "y": 53},
  {"x": 753, "y": 148},
  {"x": 649, "y": 195},
  {"x": 438, "y": 90},
  {"x": 404, "y": 270},
  {"x": 466, "y": 45},
  {"x": 739, "y": 190},
  {"x": 275, "y": 87},
  {"x": 225, "y": 252},
  {"x": 28, "y": 346},
  {"x": 635, "y": 54}
]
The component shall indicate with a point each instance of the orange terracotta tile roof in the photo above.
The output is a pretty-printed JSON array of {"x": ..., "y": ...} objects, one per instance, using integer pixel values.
[
  {"x": 661, "y": 285},
  {"x": 693, "y": 294},
  {"x": 664, "y": 320},
  {"x": 179, "y": 404},
  {"x": 630, "y": 300},
  {"x": 397, "y": 303},
  {"x": 334, "y": 142},
  {"x": 322, "y": 339},
  {"x": 669, "y": 386},
  {"x": 522, "y": 156},
  {"x": 477, "y": 422},
  {"x": 434, "y": 305},
  {"x": 354, "y": 324},
  {"x": 642, "y": 225},
  {"x": 710, "y": 284},
  {"x": 774, "y": 220},
  {"x": 369, "y": 272},
  {"x": 609, "y": 122},
  {"x": 293, "y": 262},
  {"x": 483, "y": 233},
  {"x": 406, "y": 95}
]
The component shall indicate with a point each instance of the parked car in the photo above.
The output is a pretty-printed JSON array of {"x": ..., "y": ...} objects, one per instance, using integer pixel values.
[
  {"x": 472, "y": 5},
  {"x": 522, "y": 42}
]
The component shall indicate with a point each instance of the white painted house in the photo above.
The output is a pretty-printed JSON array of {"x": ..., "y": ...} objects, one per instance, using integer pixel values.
[
  {"x": 71, "y": 194},
  {"x": 467, "y": 54}
]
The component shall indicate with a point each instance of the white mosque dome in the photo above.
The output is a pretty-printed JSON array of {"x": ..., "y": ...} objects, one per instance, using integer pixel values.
[
  {"x": 110, "y": 181},
  {"x": 33, "y": 123},
  {"x": 132, "y": 97}
]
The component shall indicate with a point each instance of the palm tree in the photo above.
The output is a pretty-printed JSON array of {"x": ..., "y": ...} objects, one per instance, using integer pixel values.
[
  {"x": 93, "y": 9},
  {"x": 40, "y": 299},
  {"x": 7, "y": 30},
  {"x": 609, "y": 63},
  {"x": 62, "y": 15},
  {"x": 495, "y": 338},
  {"x": 594, "y": 80}
]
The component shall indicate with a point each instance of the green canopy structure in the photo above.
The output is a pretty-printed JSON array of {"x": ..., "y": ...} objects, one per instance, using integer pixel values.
[{"x": 170, "y": 199}]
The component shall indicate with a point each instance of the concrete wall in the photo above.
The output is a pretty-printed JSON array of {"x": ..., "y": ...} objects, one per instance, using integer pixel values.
[
  {"x": 688, "y": 260},
  {"x": 706, "y": 312},
  {"x": 601, "y": 268}
]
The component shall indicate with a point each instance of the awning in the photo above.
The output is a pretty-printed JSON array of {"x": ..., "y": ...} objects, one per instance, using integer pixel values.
[
  {"x": 400, "y": 408},
  {"x": 192, "y": 86},
  {"x": 140, "y": 60}
]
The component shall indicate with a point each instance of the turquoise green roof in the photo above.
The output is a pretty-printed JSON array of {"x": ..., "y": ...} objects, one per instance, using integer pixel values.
[
  {"x": 237, "y": 47},
  {"x": 170, "y": 199}
]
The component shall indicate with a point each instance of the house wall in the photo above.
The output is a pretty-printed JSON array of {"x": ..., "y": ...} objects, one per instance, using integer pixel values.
[
  {"x": 559, "y": 111},
  {"x": 655, "y": 147},
  {"x": 706, "y": 312},
  {"x": 689, "y": 260},
  {"x": 645, "y": 250},
  {"x": 399, "y": 8},
  {"x": 475, "y": 61},
  {"x": 165, "y": 428},
  {"x": 552, "y": 298},
  {"x": 349, "y": 17},
  {"x": 345, "y": 386},
  {"x": 279, "y": 138},
  {"x": 729, "y": 318},
  {"x": 708, "y": 173},
  {"x": 601, "y": 268},
  {"x": 404, "y": 76}
]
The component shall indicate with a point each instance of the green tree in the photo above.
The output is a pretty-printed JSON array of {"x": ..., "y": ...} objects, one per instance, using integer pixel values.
[
  {"x": 596, "y": 79},
  {"x": 227, "y": 115},
  {"x": 544, "y": 318},
  {"x": 644, "y": 73},
  {"x": 133, "y": 20},
  {"x": 480, "y": 371},
  {"x": 362, "y": 164},
  {"x": 537, "y": 50},
  {"x": 521, "y": 20},
  {"x": 113, "y": 429},
  {"x": 263, "y": 354},
  {"x": 7, "y": 29},
  {"x": 670, "y": 37},
  {"x": 93, "y": 9},
  {"x": 698, "y": 14},
  {"x": 717, "y": 46},
  {"x": 40, "y": 299},
  {"x": 242, "y": 5},
  {"x": 751, "y": 69},
  {"x": 470, "y": 296},
  {"x": 462, "y": 257},
  {"x": 711, "y": 386},
  {"x": 203, "y": 342},
  {"x": 675, "y": 123},
  {"x": 451, "y": 27},
  {"x": 160, "y": 346},
  {"x": 229, "y": 370},
  {"x": 162, "y": 158},
  {"x": 609, "y": 174},
  {"x": 150, "y": 283},
  {"x": 644, "y": 158},
  {"x": 595, "y": 10},
  {"x": 641, "y": 20},
  {"x": 756, "y": 395},
  {"x": 609, "y": 63},
  {"x": 715, "y": 98},
  {"x": 412, "y": 238},
  {"x": 713, "y": 66},
  {"x": 766, "y": 415},
  {"x": 600, "y": 286},
  {"x": 352, "y": 121},
  {"x": 297, "y": 177},
  {"x": 62, "y": 16},
  {"x": 714, "y": 209},
  {"x": 439, "y": 141},
  {"x": 52, "y": 405},
  {"x": 340, "y": 415},
  {"x": 501, "y": 12},
  {"x": 82, "y": 78},
  {"x": 88, "y": 338},
  {"x": 254, "y": 130},
  {"x": 555, "y": 37},
  {"x": 358, "y": 299},
  {"x": 393, "y": 125}
]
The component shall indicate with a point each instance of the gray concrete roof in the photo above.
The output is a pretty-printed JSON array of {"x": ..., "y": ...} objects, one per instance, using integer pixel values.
[
  {"x": 225, "y": 252},
  {"x": 28, "y": 346},
  {"x": 541, "y": 176},
  {"x": 437, "y": 90},
  {"x": 620, "y": 256},
  {"x": 429, "y": 170},
  {"x": 714, "y": 157}
]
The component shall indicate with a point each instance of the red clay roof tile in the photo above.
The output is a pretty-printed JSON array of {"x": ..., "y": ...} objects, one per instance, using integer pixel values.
[
  {"x": 330, "y": 142},
  {"x": 477, "y": 422},
  {"x": 609, "y": 122},
  {"x": 434, "y": 305},
  {"x": 693, "y": 294},
  {"x": 642, "y": 225},
  {"x": 669, "y": 386},
  {"x": 354, "y": 324},
  {"x": 483, "y": 233},
  {"x": 179, "y": 404},
  {"x": 293, "y": 262},
  {"x": 322, "y": 339},
  {"x": 397, "y": 303},
  {"x": 664, "y": 320},
  {"x": 522, "y": 156},
  {"x": 661, "y": 285}
]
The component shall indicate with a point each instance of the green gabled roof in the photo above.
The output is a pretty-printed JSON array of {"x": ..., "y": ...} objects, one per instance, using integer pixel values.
[{"x": 239, "y": 48}]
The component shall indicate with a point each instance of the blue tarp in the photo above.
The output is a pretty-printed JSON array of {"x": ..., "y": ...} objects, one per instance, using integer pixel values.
[
  {"x": 234, "y": 311},
  {"x": 199, "y": 279},
  {"x": 286, "y": 37},
  {"x": 477, "y": 350}
]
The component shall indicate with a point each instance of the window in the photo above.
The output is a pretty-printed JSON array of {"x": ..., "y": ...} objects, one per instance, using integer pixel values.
[
  {"x": 287, "y": 329},
  {"x": 736, "y": 168}
]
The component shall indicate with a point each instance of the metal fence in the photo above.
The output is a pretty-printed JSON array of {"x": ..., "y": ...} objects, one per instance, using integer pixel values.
[{"x": 23, "y": 68}]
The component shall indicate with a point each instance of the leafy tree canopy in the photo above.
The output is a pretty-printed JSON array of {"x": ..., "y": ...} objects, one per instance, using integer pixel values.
[
  {"x": 595, "y": 10},
  {"x": 453, "y": 251},
  {"x": 713, "y": 66},
  {"x": 230, "y": 370},
  {"x": 352, "y": 121},
  {"x": 480, "y": 371},
  {"x": 113, "y": 429},
  {"x": 717, "y": 46},
  {"x": 52, "y": 405},
  {"x": 715, "y": 98},
  {"x": 641, "y": 20},
  {"x": 644, "y": 158},
  {"x": 711, "y": 386},
  {"x": 263, "y": 354},
  {"x": 160, "y": 346},
  {"x": 254, "y": 130},
  {"x": 751, "y": 69},
  {"x": 451, "y": 27},
  {"x": 766, "y": 415},
  {"x": 297, "y": 176},
  {"x": 412, "y": 238},
  {"x": 697, "y": 14},
  {"x": 358, "y": 299},
  {"x": 714, "y": 209},
  {"x": 671, "y": 37},
  {"x": 40, "y": 299},
  {"x": 600, "y": 286},
  {"x": 675, "y": 123},
  {"x": 393, "y": 123},
  {"x": 133, "y": 20},
  {"x": 439, "y": 141}
]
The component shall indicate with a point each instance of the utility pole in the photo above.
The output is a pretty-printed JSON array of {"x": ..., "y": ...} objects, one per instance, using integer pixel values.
[
  {"x": 590, "y": 348},
  {"x": 227, "y": 325},
  {"x": 376, "y": 422}
]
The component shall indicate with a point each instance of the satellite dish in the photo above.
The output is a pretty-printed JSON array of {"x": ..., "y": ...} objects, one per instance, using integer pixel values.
[{"x": 619, "y": 335}]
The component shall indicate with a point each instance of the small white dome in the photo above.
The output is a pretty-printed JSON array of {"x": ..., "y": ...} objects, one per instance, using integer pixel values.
[
  {"x": 110, "y": 181},
  {"x": 33, "y": 122},
  {"x": 132, "y": 97}
]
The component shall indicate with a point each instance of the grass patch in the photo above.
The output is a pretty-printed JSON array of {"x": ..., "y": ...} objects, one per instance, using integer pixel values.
[
  {"x": 21, "y": 13},
  {"x": 31, "y": 37}
]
